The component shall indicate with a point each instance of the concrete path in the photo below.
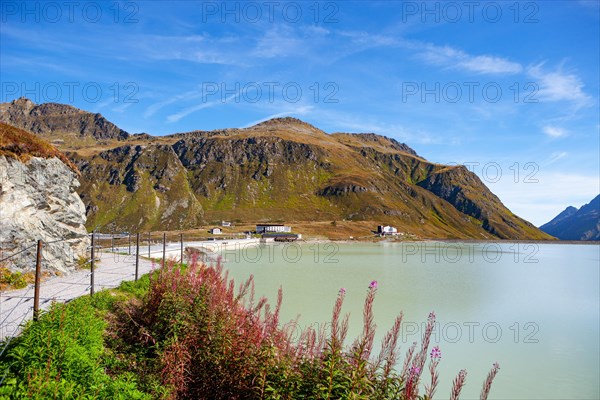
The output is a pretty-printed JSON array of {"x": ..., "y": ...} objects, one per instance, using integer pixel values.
[{"x": 16, "y": 306}]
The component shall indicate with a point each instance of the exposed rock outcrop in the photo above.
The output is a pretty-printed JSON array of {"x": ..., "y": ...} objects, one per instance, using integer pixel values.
[{"x": 38, "y": 200}]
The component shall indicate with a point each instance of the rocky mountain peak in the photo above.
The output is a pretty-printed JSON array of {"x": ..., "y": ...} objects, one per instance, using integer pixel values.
[
  {"x": 374, "y": 140},
  {"x": 288, "y": 123},
  {"x": 576, "y": 224},
  {"x": 393, "y": 143},
  {"x": 24, "y": 103},
  {"x": 53, "y": 120}
]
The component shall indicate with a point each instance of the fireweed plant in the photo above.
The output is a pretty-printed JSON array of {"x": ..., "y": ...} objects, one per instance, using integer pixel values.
[
  {"x": 207, "y": 340},
  {"x": 187, "y": 333}
]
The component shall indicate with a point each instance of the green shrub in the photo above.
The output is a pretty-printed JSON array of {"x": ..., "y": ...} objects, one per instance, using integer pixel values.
[
  {"x": 14, "y": 280},
  {"x": 60, "y": 356}
]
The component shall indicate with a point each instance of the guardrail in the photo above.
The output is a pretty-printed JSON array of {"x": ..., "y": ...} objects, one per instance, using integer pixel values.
[
  {"x": 113, "y": 258},
  {"x": 126, "y": 248}
]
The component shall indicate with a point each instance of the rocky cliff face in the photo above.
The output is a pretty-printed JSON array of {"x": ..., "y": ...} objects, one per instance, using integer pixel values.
[
  {"x": 39, "y": 200},
  {"x": 465, "y": 191},
  {"x": 138, "y": 186}
]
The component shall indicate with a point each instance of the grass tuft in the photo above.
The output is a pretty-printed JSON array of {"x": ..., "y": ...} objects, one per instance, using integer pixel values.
[{"x": 22, "y": 145}]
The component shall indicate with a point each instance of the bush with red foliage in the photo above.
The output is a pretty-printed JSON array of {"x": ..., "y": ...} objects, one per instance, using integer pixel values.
[{"x": 198, "y": 337}]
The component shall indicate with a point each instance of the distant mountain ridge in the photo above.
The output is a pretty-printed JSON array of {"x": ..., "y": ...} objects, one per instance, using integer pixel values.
[
  {"x": 576, "y": 224},
  {"x": 55, "y": 121},
  {"x": 283, "y": 169}
]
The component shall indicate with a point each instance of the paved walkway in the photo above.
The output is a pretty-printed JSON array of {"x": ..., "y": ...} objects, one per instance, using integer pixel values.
[{"x": 16, "y": 306}]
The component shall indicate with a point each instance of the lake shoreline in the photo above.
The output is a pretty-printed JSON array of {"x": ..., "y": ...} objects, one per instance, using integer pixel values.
[{"x": 391, "y": 240}]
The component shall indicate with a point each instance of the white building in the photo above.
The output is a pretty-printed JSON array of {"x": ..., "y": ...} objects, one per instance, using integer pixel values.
[
  {"x": 225, "y": 223},
  {"x": 273, "y": 228},
  {"x": 215, "y": 231},
  {"x": 387, "y": 230}
]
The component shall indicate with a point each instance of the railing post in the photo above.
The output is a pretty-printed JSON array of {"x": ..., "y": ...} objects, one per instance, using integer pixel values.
[
  {"x": 149, "y": 237},
  {"x": 112, "y": 243},
  {"x": 129, "y": 251},
  {"x": 38, "y": 272},
  {"x": 92, "y": 265},
  {"x": 181, "y": 244},
  {"x": 137, "y": 255},
  {"x": 164, "y": 248}
]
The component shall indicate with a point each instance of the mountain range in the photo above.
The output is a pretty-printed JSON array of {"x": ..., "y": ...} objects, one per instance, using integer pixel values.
[
  {"x": 576, "y": 224},
  {"x": 279, "y": 170}
]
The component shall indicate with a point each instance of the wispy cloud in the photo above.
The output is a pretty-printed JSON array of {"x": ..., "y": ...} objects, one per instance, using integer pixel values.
[
  {"x": 593, "y": 5},
  {"x": 189, "y": 95},
  {"x": 452, "y": 58},
  {"x": 554, "y": 131},
  {"x": 190, "y": 110},
  {"x": 558, "y": 85},
  {"x": 368, "y": 40},
  {"x": 202, "y": 49},
  {"x": 557, "y": 155},
  {"x": 279, "y": 43},
  {"x": 36, "y": 64}
]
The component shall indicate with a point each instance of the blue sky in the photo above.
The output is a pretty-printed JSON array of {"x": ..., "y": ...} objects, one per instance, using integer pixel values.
[{"x": 510, "y": 88}]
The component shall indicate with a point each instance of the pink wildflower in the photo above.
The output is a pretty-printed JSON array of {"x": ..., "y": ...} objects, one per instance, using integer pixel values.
[{"x": 436, "y": 353}]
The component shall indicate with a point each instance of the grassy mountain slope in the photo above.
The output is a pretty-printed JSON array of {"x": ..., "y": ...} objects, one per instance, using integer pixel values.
[
  {"x": 132, "y": 187},
  {"x": 284, "y": 170}
]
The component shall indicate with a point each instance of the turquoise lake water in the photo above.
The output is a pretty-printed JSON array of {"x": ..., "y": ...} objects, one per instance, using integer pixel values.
[{"x": 534, "y": 308}]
